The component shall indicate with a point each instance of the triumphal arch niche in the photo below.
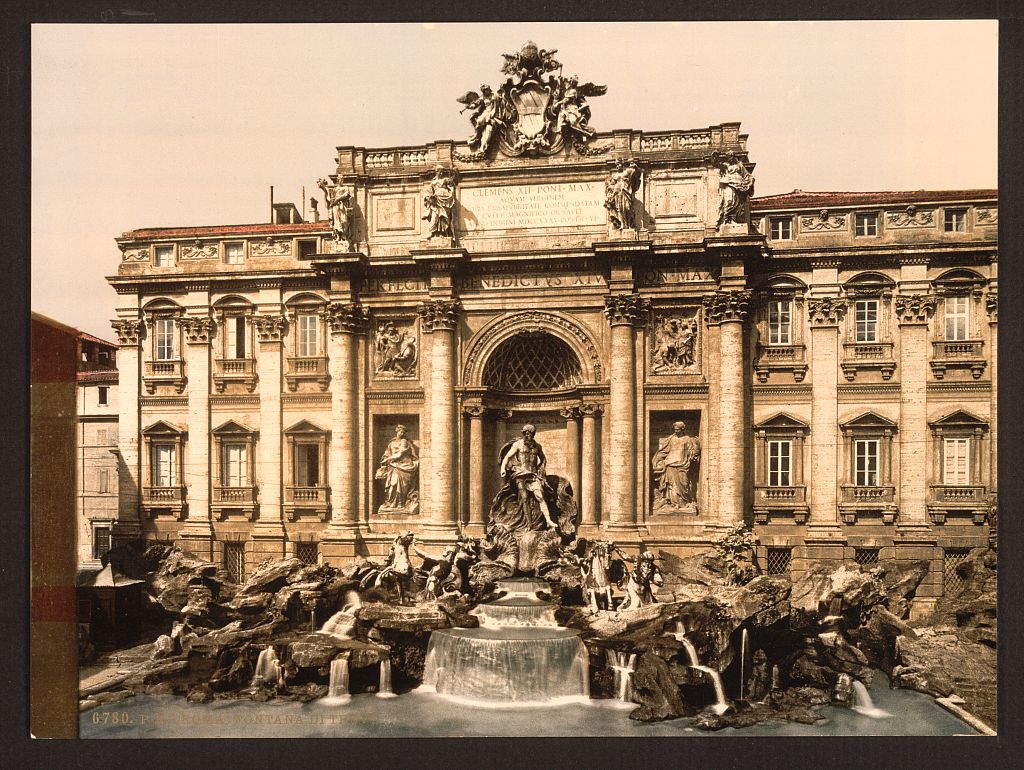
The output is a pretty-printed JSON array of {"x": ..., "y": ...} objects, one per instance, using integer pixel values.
[{"x": 545, "y": 273}]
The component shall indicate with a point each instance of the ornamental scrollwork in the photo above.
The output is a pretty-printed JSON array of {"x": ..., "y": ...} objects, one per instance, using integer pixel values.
[
  {"x": 910, "y": 217},
  {"x": 824, "y": 221},
  {"x": 268, "y": 247},
  {"x": 198, "y": 250}
]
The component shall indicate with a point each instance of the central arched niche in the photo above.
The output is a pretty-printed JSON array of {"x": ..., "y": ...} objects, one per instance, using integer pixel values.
[{"x": 530, "y": 362}]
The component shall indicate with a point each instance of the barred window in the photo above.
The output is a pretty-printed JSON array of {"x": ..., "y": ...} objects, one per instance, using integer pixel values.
[
  {"x": 532, "y": 361},
  {"x": 952, "y": 583},
  {"x": 777, "y": 561},
  {"x": 234, "y": 561},
  {"x": 865, "y": 556},
  {"x": 100, "y": 542},
  {"x": 307, "y": 552}
]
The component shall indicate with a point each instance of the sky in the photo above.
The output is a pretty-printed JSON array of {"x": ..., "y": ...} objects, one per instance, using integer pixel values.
[{"x": 174, "y": 125}]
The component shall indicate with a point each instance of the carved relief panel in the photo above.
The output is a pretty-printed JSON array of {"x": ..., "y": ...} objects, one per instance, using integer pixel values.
[
  {"x": 674, "y": 342},
  {"x": 395, "y": 348}
]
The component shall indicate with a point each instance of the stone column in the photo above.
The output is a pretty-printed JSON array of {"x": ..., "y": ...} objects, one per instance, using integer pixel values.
[
  {"x": 440, "y": 318},
  {"x": 129, "y": 472},
  {"x": 728, "y": 309},
  {"x": 572, "y": 447},
  {"x": 268, "y": 534},
  {"x": 825, "y": 314},
  {"x": 475, "y": 412},
  {"x": 346, "y": 321},
  {"x": 197, "y": 534},
  {"x": 591, "y": 464},
  {"x": 624, "y": 312},
  {"x": 912, "y": 314}
]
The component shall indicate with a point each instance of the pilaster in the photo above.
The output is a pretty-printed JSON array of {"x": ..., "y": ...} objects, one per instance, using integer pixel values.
[
  {"x": 129, "y": 474},
  {"x": 268, "y": 532},
  {"x": 825, "y": 314},
  {"x": 197, "y": 534},
  {"x": 590, "y": 465},
  {"x": 475, "y": 413}
]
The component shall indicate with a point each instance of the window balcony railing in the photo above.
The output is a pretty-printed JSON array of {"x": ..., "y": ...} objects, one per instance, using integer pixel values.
[
  {"x": 157, "y": 499},
  {"x": 769, "y": 500},
  {"x": 859, "y": 356},
  {"x": 969, "y": 499},
  {"x": 169, "y": 372},
  {"x": 314, "y": 499},
  {"x": 869, "y": 495},
  {"x": 958, "y": 354},
  {"x": 313, "y": 368},
  {"x": 241, "y": 499},
  {"x": 241, "y": 370},
  {"x": 786, "y": 358},
  {"x": 857, "y": 500}
]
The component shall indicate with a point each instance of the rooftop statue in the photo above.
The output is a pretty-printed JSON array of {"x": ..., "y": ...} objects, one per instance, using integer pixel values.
[
  {"x": 619, "y": 191},
  {"x": 341, "y": 211},
  {"x": 439, "y": 202},
  {"x": 530, "y": 114},
  {"x": 737, "y": 185}
]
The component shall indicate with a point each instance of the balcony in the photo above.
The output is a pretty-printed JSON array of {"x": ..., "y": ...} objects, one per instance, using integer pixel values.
[
  {"x": 242, "y": 370},
  {"x": 164, "y": 373},
  {"x": 863, "y": 356},
  {"x": 156, "y": 500},
  {"x": 228, "y": 500},
  {"x": 769, "y": 501},
  {"x": 312, "y": 368},
  {"x": 780, "y": 358},
  {"x": 959, "y": 354},
  {"x": 958, "y": 500},
  {"x": 309, "y": 500},
  {"x": 857, "y": 501}
]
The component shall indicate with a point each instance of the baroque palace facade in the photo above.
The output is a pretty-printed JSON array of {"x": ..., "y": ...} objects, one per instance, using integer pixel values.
[{"x": 819, "y": 366}]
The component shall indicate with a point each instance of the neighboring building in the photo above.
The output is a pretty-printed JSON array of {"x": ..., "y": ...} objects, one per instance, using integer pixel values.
[
  {"x": 97, "y": 448},
  {"x": 832, "y": 353}
]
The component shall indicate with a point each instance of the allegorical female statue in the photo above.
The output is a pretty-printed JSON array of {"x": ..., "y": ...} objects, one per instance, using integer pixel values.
[
  {"x": 398, "y": 469},
  {"x": 675, "y": 468},
  {"x": 439, "y": 202},
  {"x": 737, "y": 185}
]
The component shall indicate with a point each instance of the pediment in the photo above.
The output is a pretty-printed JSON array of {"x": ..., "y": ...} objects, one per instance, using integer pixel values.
[
  {"x": 869, "y": 420},
  {"x": 305, "y": 426},
  {"x": 232, "y": 426},
  {"x": 163, "y": 428},
  {"x": 782, "y": 420},
  {"x": 959, "y": 419}
]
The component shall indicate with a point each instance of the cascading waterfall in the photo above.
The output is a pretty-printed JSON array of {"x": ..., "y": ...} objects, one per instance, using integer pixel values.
[
  {"x": 863, "y": 704},
  {"x": 385, "y": 690},
  {"x": 338, "y": 691},
  {"x": 623, "y": 667},
  {"x": 519, "y": 654},
  {"x": 743, "y": 661},
  {"x": 341, "y": 624},
  {"x": 721, "y": 704},
  {"x": 268, "y": 669}
]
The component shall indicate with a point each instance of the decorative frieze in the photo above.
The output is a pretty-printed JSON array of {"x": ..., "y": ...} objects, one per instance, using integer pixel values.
[
  {"x": 823, "y": 222},
  {"x": 135, "y": 255},
  {"x": 198, "y": 250},
  {"x": 440, "y": 315},
  {"x": 914, "y": 308},
  {"x": 474, "y": 411},
  {"x": 724, "y": 306},
  {"x": 197, "y": 330},
  {"x": 986, "y": 216},
  {"x": 346, "y": 318},
  {"x": 269, "y": 328},
  {"x": 825, "y": 311},
  {"x": 129, "y": 331},
  {"x": 626, "y": 309},
  {"x": 909, "y": 217},
  {"x": 591, "y": 410},
  {"x": 269, "y": 247}
]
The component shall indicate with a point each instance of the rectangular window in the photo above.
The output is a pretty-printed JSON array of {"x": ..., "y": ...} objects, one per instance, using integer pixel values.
[
  {"x": 955, "y": 221},
  {"x": 307, "y": 465},
  {"x": 780, "y": 463},
  {"x": 777, "y": 561},
  {"x": 956, "y": 318},
  {"x": 234, "y": 254},
  {"x": 866, "y": 224},
  {"x": 163, "y": 256},
  {"x": 782, "y": 229},
  {"x": 235, "y": 337},
  {"x": 956, "y": 467},
  {"x": 308, "y": 336},
  {"x": 102, "y": 395},
  {"x": 234, "y": 561},
  {"x": 235, "y": 468},
  {"x": 307, "y": 248},
  {"x": 307, "y": 552},
  {"x": 103, "y": 481},
  {"x": 780, "y": 322},
  {"x": 100, "y": 542},
  {"x": 101, "y": 437},
  {"x": 866, "y": 319},
  {"x": 166, "y": 349},
  {"x": 164, "y": 472},
  {"x": 866, "y": 456}
]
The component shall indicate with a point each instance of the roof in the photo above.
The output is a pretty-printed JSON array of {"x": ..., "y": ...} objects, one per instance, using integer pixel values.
[
  {"x": 103, "y": 375},
  {"x": 263, "y": 228},
  {"x": 802, "y": 198},
  {"x": 89, "y": 338},
  {"x": 104, "y": 578},
  {"x": 47, "y": 321}
]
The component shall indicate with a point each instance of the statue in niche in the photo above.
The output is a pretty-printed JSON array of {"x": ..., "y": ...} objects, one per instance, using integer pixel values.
[
  {"x": 439, "y": 201},
  {"x": 523, "y": 466},
  {"x": 736, "y": 186},
  {"x": 340, "y": 209},
  {"x": 398, "y": 470},
  {"x": 396, "y": 350},
  {"x": 619, "y": 190},
  {"x": 674, "y": 341},
  {"x": 675, "y": 470}
]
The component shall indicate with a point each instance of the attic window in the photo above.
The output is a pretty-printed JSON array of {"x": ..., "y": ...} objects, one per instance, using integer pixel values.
[{"x": 307, "y": 248}]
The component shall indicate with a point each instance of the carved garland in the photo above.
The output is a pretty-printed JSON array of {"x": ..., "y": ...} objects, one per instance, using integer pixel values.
[
  {"x": 914, "y": 308},
  {"x": 530, "y": 320},
  {"x": 827, "y": 311},
  {"x": 911, "y": 217},
  {"x": 822, "y": 222}
]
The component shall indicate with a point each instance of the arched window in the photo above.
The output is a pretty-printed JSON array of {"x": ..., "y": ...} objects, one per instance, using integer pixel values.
[{"x": 532, "y": 361}]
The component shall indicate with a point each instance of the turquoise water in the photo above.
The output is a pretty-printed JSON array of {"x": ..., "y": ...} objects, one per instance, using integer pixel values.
[{"x": 424, "y": 714}]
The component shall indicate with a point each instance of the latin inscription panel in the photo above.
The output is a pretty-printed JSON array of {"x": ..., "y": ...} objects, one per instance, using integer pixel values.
[{"x": 522, "y": 206}]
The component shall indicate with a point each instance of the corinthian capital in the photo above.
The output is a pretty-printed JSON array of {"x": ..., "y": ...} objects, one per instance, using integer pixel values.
[
  {"x": 623, "y": 309},
  {"x": 724, "y": 306},
  {"x": 128, "y": 331},
  {"x": 992, "y": 305},
  {"x": 826, "y": 311},
  {"x": 914, "y": 308},
  {"x": 440, "y": 315},
  {"x": 197, "y": 330},
  {"x": 269, "y": 328},
  {"x": 346, "y": 318}
]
